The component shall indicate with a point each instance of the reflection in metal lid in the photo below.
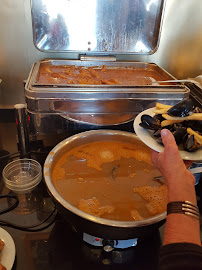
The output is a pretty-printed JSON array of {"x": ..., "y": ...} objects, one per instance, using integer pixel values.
[{"x": 124, "y": 26}]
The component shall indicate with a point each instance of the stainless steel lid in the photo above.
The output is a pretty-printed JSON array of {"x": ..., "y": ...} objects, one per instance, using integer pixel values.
[{"x": 97, "y": 25}]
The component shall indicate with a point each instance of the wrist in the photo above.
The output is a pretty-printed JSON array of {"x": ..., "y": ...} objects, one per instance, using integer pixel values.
[
  {"x": 176, "y": 177},
  {"x": 181, "y": 188},
  {"x": 181, "y": 228}
]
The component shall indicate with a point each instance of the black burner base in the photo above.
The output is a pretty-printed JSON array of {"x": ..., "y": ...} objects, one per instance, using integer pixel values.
[{"x": 68, "y": 251}]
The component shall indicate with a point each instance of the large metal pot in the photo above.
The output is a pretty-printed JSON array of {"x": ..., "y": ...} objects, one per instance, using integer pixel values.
[{"x": 83, "y": 222}]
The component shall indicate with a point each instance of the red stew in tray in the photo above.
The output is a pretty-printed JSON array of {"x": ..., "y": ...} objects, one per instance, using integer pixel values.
[{"x": 66, "y": 74}]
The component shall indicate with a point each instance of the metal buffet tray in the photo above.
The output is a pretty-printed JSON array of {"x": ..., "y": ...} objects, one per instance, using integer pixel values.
[
  {"x": 152, "y": 72},
  {"x": 99, "y": 105}
]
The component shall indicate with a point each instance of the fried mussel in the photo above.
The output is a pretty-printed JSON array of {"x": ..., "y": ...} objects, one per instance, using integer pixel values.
[{"x": 183, "y": 119}]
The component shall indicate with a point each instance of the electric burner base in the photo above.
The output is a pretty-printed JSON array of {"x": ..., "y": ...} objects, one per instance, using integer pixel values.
[{"x": 109, "y": 245}]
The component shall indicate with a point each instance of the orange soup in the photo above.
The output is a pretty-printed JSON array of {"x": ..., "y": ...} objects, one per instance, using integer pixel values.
[
  {"x": 111, "y": 179},
  {"x": 50, "y": 74}
]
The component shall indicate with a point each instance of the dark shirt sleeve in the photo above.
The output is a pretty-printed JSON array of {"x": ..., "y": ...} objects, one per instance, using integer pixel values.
[{"x": 180, "y": 256}]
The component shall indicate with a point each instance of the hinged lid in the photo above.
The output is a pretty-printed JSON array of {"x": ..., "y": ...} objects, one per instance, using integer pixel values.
[{"x": 121, "y": 27}]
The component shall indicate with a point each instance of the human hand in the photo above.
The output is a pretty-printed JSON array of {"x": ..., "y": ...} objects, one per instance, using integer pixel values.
[
  {"x": 180, "y": 185},
  {"x": 169, "y": 162},
  {"x": 187, "y": 163}
]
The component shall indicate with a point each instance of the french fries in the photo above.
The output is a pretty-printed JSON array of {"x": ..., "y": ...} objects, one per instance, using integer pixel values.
[
  {"x": 194, "y": 116},
  {"x": 160, "y": 106},
  {"x": 182, "y": 131},
  {"x": 197, "y": 136},
  {"x": 170, "y": 120},
  {"x": 165, "y": 123},
  {"x": 161, "y": 111}
]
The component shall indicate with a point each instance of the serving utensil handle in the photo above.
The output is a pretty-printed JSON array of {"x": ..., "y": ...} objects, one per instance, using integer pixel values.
[{"x": 192, "y": 170}]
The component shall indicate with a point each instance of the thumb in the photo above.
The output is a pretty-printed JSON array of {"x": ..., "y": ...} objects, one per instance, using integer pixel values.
[
  {"x": 171, "y": 150},
  {"x": 168, "y": 139}
]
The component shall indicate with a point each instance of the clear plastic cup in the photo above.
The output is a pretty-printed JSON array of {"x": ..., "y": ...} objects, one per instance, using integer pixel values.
[{"x": 22, "y": 175}]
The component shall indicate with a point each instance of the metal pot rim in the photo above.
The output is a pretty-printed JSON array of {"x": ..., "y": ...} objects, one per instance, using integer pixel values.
[{"x": 76, "y": 211}]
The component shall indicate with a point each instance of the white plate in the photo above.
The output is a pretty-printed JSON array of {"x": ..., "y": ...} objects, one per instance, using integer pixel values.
[
  {"x": 147, "y": 137},
  {"x": 8, "y": 253}
]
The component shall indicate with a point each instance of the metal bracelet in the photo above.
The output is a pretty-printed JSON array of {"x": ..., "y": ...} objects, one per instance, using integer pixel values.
[{"x": 183, "y": 207}]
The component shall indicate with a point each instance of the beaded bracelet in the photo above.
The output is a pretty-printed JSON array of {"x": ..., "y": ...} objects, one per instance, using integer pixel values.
[{"x": 183, "y": 207}]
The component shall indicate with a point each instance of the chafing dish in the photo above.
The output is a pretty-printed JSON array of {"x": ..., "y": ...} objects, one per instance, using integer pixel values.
[{"x": 100, "y": 105}]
